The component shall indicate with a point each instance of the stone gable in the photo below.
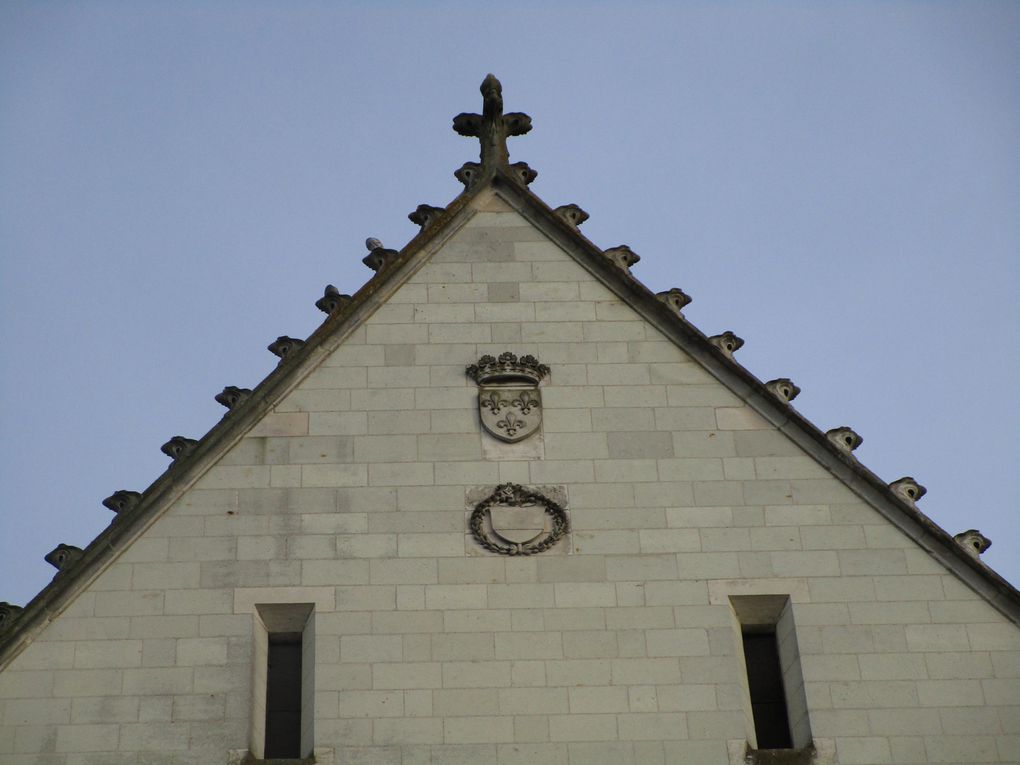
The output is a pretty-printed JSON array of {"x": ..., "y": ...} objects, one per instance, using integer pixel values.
[
  {"x": 358, "y": 566},
  {"x": 619, "y": 645}
]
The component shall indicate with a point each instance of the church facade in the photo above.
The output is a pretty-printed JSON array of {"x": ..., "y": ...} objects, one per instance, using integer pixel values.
[{"x": 507, "y": 505}]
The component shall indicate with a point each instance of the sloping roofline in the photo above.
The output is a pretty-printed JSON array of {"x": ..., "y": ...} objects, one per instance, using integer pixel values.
[{"x": 509, "y": 183}]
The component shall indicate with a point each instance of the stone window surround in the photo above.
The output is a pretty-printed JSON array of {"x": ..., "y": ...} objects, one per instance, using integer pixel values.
[
  {"x": 270, "y": 618},
  {"x": 774, "y": 612}
]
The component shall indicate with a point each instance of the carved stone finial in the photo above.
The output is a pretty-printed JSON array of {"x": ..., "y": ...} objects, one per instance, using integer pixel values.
[
  {"x": 63, "y": 557},
  {"x": 9, "y": 614},
  {"x": 507, "y": 368},
  {"x": 908, "y": 489},
  {"x": 783, "y": 388},
  {"x": 178, "y": 447},
  {"x": 122, "y": 501},
  {"x": 379, "y": 258},
  {"x": 727, "y": 342},
  {"x": 231, "y": 396},
  {"x": 468, "y": 173},
  {"x": 522, "y": 172},
  {"x": 331, "y": 300},
  {"x": 284, "y": 346},
  {"x": 973, "y": 541},
  {"x": 623, "y": 257},
  {"x": 676, "y": 299},
  {"x": 425, "y": 215},
  {"x": 845, "y": 438},
  {"x": 492, "y": 127}
]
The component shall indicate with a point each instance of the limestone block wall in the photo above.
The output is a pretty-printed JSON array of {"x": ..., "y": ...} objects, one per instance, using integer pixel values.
[{"x": 617, "y": 647}]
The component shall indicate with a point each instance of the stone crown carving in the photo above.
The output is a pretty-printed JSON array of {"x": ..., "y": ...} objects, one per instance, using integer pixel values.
[
  {"x": 63, "y": 556},
  {"x": 507, "y": 368},
  {"x": 572, "y": 214},
  {"x": 973, "y": 541},
  {"x": 122, "y": 501},
  {"x": 331, "y": 300},
  {"x": 231, "y": 396},
  {"x": 727, "y": 342},
  {"x": 425, "y": 215},
  {"x": 908, "y": 489},
  {"x": 283, "y": 346},
  {"x": 676, "y": 299},
  {"x": 783, "y": 388},
  {"x": 178, "y": 447},
  {"x": 845, "y": 438},
  {"x": 622, "y": 257},
  {"x": 9, "y": 614}
]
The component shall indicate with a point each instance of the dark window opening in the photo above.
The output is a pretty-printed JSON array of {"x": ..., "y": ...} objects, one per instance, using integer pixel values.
[
  {"x": 283, "y": 696},
  {"x": 765, "y": 682}
]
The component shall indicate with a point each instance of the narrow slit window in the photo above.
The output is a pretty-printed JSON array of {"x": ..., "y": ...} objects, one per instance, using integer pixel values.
[
  {"x": 775, "y": 703},
  {"x": 284, "y": 653},
  {"x": 283, "y": 696},
  {"x": 765, "y": 684}
]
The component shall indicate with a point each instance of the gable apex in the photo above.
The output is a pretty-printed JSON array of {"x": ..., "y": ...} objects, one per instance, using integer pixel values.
[{"x": 493, "y": 186}]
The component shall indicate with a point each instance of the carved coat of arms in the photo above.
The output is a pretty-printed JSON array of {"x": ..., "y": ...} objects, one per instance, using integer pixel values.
[
  {"x": 509, "y": 401},
  {"x": 515, "y": 520}
]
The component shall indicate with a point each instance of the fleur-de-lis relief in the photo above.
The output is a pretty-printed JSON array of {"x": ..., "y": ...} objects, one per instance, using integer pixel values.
[
  {"x": 511, "y": 424},
  {"x": 506, "y": 382},
  {"x": 526, "y": 402},
  {"x": 492, "y": 402}
]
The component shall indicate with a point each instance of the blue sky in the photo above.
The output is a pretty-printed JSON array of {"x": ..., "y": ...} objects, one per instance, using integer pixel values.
[{"x": 837, "y": 183}]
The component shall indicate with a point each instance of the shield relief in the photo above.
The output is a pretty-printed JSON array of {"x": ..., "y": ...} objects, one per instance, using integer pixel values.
[
  {"x": 516, "y": 520},
  {"x": 509, "y": 401},
  {"x": 510, "y": 413}
]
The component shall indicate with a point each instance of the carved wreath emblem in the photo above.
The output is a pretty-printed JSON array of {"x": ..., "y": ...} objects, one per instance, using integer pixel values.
[
  {"x": 514, "y": 520},
  {"x": 509, "y": 401}
]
